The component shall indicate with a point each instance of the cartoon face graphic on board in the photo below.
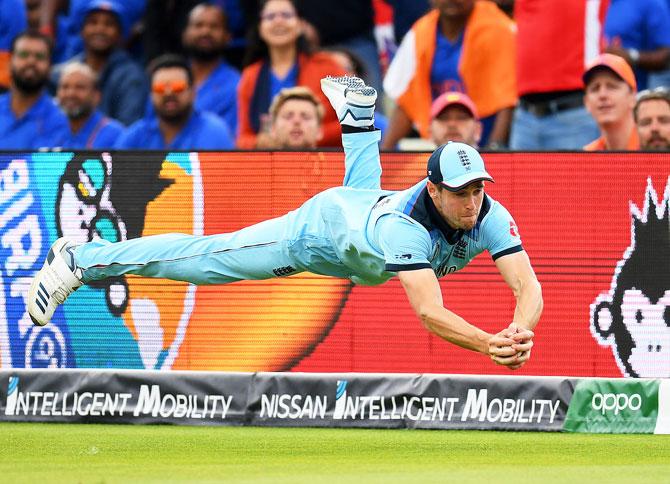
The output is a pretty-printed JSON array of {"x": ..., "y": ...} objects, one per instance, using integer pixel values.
[
  {"x": 85, "y": 212},
  {"x": 118, "y": 199},
  {"x": 633, "y": 317}
]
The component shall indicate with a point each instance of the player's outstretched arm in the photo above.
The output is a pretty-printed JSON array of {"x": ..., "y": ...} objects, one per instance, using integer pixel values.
[
  {"x": 520, "y": 277},
  {"x": 424, "y": 294},
  {"x": 518, "y": 273}
]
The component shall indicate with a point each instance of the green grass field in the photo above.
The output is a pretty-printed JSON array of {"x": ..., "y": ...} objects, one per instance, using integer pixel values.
[{"x": 51, "y": 453}]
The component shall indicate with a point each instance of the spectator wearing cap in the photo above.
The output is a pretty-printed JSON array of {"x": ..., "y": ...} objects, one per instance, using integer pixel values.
[
  {"x": 176, "y": 125},
  {"x": 122, "y": 81},
  {"x": 78, "y": 96},
  {"x": 652, "y": 118},
  {"x": 62, "y": 20},
  {"x": 454, "y": 118},
  {"x": 610, "y": 98},
  {"x": 296, "y": 116},
  {"x": 29, "y": 118},
  {"x": 639, "y": 31},
  {"x": 466, "y": 46},
  {"x": 204, "y": 41}
]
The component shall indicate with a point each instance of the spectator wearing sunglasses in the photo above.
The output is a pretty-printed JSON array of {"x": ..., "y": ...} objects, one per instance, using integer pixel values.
[
  {"x": 175, "y": 124},
  {"x": 29, "y": 118}
]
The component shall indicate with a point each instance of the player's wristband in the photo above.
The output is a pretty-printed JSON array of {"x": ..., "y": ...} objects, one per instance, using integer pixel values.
[
  {"x": 346, "y": 129},
  {"x": 634, "y": 55}
]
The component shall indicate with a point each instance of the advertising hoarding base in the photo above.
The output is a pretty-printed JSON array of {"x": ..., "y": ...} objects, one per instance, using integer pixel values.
[{"x": 377, "y": 400}]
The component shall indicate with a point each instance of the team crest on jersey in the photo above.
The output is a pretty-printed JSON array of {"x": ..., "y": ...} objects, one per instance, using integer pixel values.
[
  {"x": 633, "y": 317},
  {"x": 461, "y": 249}
]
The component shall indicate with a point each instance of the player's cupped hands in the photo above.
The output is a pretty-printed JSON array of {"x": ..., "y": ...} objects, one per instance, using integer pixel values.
[{"x": 511, "y": 346}]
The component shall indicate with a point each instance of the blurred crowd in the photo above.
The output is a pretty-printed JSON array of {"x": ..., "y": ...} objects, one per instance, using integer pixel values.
[{"x": 245, "y": 74}]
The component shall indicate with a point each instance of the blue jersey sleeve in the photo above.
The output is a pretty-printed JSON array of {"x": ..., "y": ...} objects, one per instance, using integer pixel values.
[
  {"x": 406, "y": 245},
  {"x": 500, "y": 235}
]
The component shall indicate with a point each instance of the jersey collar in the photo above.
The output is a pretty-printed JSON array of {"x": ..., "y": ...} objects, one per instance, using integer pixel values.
[{"x": 425, "y": 212}]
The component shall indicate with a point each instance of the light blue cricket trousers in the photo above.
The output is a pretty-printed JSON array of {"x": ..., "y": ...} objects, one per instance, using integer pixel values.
[{"x": 285, "y": 245}]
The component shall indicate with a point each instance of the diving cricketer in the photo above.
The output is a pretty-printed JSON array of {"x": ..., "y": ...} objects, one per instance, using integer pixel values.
[{"x": 356, "y": 231}]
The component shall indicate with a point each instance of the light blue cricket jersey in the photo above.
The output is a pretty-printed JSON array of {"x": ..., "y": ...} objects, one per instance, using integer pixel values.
[
  {"x": 356, "y": 231},
  {"x": 370, "y": 235}
]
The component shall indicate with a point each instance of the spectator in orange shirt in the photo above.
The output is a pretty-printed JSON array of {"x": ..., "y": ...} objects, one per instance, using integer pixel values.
[
  {"x": 463, "y": 45},
  {"x": 610, "y": 98},
  {"x": 278, "y": 57}
]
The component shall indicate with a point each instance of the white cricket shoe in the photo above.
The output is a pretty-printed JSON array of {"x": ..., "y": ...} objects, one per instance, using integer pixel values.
[
  {"x": 56, "y": 280},
  {"x": 353, "y": 101}
]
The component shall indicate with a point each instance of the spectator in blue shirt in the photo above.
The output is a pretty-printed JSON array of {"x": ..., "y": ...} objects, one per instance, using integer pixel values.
[
  {"x": 204, "y": 40},
  {"x": 78, "y": 97},
  {"x": 122, "y": 81},
  {"x": 29, "y": 119},
  {"x": 639, "y": 31},
  {"x": 176, "y": 125},
  {"x": 62, "y": 20}
]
